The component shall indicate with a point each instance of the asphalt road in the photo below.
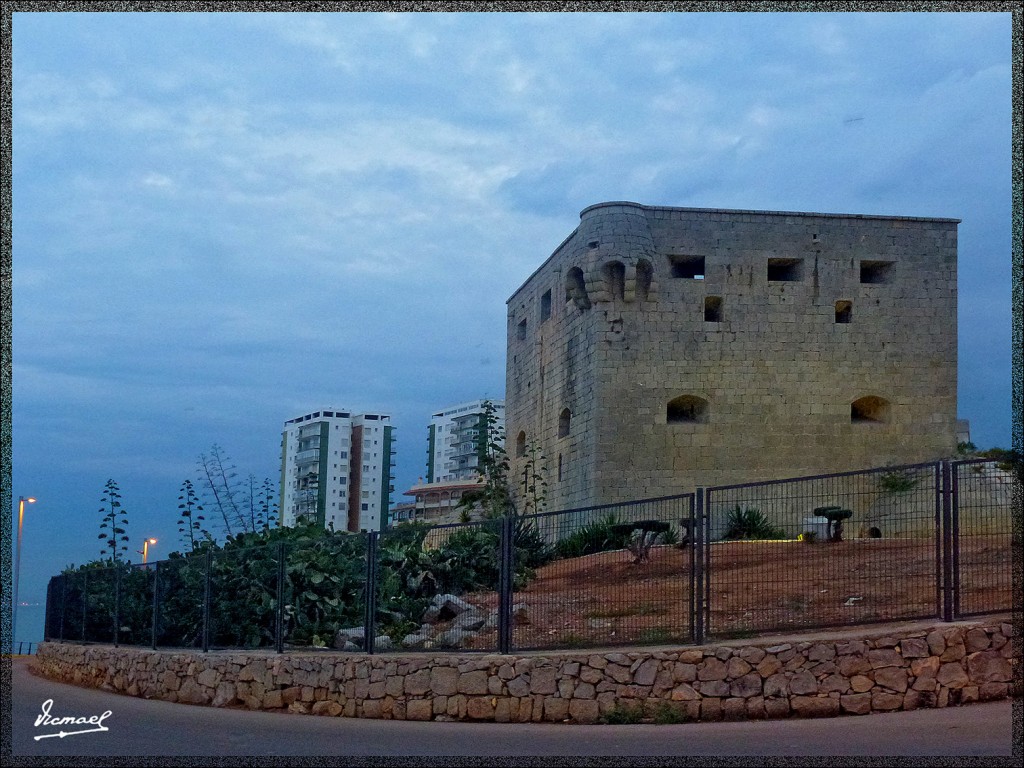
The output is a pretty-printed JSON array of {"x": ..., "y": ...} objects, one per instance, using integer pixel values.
[{"x": 156, "y": 728}]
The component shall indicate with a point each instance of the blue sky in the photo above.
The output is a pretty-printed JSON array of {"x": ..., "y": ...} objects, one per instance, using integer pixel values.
[{"x": 222, "y": 221}]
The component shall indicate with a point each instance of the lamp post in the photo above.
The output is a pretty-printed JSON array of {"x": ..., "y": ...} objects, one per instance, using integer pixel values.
[
  {"x": 17, "y": 564},
  {"x": 145, "y": 549}
]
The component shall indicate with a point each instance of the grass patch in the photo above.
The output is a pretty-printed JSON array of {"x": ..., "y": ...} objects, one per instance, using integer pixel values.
[
  {"x": 667, "y": 714},
  {"x": 623, "y": 714}
]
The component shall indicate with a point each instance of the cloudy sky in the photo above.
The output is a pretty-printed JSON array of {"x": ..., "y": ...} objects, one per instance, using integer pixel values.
[{"x": 222, "y": 221}]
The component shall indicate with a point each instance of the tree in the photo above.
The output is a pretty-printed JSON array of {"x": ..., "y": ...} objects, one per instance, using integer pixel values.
[
  {"x": 260, "y": 505},
  {"x": 113, "y": 531},
  {"x": 220, "y": 489},
  {"x": 494, "y": 499},
  {"x": 267, "y": 515},
  {"x": 190, "y": 523},
  {"x": 534, "y": 483}
]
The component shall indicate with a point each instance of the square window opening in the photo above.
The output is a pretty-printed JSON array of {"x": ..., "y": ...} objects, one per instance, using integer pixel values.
[
  {"x": 712, "y": 309},
  {"x": 785, "y": 270},
  {"x": 687, "y": 267},
  {"x": 844, "y": 311},
  {"x": 875, "y": 271}
]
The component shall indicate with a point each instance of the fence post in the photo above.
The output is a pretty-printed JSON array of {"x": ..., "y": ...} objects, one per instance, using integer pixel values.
[
  {"x": 63, "y": 603},
  {"x": 206, "y": 601},
  {"x": 370, "y": 603},
  {"x": 156, "y": 599},
  {"x": 947, "y": 543},
  {"x": 85, "y": 601},
  {"x": 954, "y": 519},
  {"x": 698, "y": 567},
  {"x": 46, "y": 611},
  {"x": 117, "y": 605},
  {"x": 505, "y": 586},
  {"x": 279, "y": 613}
]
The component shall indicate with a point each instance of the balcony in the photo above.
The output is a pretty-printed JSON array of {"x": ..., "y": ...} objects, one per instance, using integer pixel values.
[{"x": 308, "y": 457}]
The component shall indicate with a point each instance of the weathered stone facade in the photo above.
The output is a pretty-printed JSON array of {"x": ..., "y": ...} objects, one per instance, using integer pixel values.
[
  {"x": 854, "y": 672},
  {"x": 662, "y": 348}
]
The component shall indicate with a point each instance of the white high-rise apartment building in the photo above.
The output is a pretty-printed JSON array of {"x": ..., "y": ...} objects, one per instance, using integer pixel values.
[
  {"x": 457, "y": 439},
  {"x": 336, "y": 469}
]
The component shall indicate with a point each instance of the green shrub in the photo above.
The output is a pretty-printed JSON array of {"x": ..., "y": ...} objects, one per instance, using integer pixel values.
[
  {"x": 668, "y": 714},
  {"x": 623, "y": 714},
  {"x": 898, "y": 481},
  {"x": 592, "y": 538},
  {"x": 750, "y": 523}
]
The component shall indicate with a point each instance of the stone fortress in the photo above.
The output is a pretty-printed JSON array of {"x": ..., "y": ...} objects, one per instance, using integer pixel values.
[{"x": 661, "y": 348}]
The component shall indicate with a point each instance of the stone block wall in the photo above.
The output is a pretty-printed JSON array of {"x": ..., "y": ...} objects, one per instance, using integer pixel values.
[
  {"x": 900, "y": 668},
  {"x": 776, "y": 322}
]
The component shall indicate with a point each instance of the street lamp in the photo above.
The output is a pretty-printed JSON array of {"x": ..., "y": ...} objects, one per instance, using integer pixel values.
[
  {"x": 17, "y": 564},
  {"x": 145, "y": 549}
]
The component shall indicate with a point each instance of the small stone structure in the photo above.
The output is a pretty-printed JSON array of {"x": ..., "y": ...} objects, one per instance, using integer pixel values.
[
  {"x": 664, "y": 348},
  {"x": 905, "y": 666}
]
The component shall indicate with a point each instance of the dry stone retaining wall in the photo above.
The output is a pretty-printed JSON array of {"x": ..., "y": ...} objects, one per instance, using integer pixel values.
[{"x": 905, "y": 667}]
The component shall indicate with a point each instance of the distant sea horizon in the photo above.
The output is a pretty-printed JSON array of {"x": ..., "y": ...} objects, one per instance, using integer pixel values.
[{"x": 31, "y": 623}]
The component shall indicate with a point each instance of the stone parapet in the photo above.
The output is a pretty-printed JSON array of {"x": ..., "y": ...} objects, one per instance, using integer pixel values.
[{"x": 856, "y": 672}]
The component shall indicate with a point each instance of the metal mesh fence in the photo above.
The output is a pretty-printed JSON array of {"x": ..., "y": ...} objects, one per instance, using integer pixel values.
[
  {"x": 74, "y": 606},
  {"x": 887, "y": 544},
  {"x": 135, "y": 606},
  {"x": 829, "y": 550},
  {"x": 982, "y": 536},
  {"x": 324, "y": 593},
  {"x": 602, "y": 576},
  {"x": 437, "y": 587},
  {"x": 243, "y": 591},
  {"x": 54, "y": 608},
  {"x": 99, "y": 593},
  {"x": 181, "y": 591}
]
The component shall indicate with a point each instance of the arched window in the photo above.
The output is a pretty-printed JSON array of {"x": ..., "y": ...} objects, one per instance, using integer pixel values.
[
  {"x": 869, "y": 410},
  {"x": 576, "y": 289},
  {"x": 563, "y": 422},
  {"x": 615, "y": 279},
  {"x": 521, "y": 444},
  {"x": 687, "y": 409}
]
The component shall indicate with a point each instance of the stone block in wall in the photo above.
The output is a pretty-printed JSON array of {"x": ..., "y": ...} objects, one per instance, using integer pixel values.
[
  {"x": 746, "y": 686},
  {"x": 886, "y": 702},
  {"x": 988, "y": 666},
  {"x": 991, "y": 691},
  {"x": 711, "y": 709},
  {"x": 734, "y": 709},
  {"x": 856, "y": 703},
  {"x": 555, "y": 709},
  {"x": 712, "y": 669},
  {"x": 893, "y": 678},
  {"x": 952, "y": 675},
  {"x": 444, "y": 681},
  {"x": 814, "y": 706},
  {"x": 976, "y": 640},
  {"x": 955, "y": 648},
  {"x": 717, "y": 688},
  {"x": 914, "y": 647},
  {"x": 736, "y": 667},
  {"x": 803, "y": 683},
  {"x": 646, "y": 672},
  {"x": 885, "y": 657},
  {"x": 584, "y": 711},
  {"x": 776, "y": 708},
  {"x": 480, "y": 707}
]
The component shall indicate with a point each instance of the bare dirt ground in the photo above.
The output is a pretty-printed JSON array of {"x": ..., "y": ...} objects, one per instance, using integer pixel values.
[{"x": 754, "y": 588}]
